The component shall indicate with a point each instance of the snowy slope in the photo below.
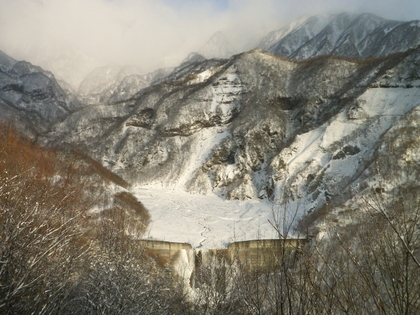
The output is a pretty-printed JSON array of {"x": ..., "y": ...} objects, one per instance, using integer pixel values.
[
  {"x": 222, "y": 140},
  {"x": 205, "y": 221},
  {"x": 217, "y": 148}
]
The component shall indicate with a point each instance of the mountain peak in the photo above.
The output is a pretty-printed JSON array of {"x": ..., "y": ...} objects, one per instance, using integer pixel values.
[
  {"x": 218, "y": 46},
  {"x": 192, "y": 57},
  {"x": 346, "y": 34}
]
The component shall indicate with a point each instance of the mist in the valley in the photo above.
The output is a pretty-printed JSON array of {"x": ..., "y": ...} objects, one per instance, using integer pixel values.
[{"x": 83, "y": 34}]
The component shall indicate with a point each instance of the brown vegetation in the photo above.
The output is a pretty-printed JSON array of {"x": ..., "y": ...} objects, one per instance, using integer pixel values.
[{"x": 57, "y": 259}]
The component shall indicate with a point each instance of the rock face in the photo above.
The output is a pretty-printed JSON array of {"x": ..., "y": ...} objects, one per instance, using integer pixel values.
[
  {"x": 31, "y": 97},
  {"x": 351, "y": 35},
  {"x": 253, "y": 126}
]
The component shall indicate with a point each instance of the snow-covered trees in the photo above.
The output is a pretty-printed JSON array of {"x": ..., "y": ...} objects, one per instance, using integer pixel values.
[
  {"x": 41, "y": 228},
  {"x": 58, "y": 258}
]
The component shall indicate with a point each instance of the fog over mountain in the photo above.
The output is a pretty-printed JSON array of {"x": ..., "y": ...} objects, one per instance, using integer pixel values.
[{"x": 72, "y": 38}]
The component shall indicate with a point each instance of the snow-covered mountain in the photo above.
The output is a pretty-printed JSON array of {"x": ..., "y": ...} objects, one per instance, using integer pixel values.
[
  {"x": 254, "y": 126},
  {"x": 6, "y": 62},
  {"x": 31, "y": 97},
  {"x": 100, "y": 79},
  {"x": 114, "y": 83},
  {"x": 311, "y": 136},
  {"x": 134, "y": 83},
  {"x": 67, "y": 63},
  {"x": 351, "y": 35},
  {"x": 218, "y": 46}
]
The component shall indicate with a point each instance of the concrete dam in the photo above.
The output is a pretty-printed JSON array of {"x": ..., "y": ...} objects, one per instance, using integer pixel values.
[{"x": 261, "y": 254}]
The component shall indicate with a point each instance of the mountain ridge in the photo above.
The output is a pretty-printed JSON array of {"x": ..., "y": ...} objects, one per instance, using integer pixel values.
[
  {"x": 31, "y": 97},
  {"x": 352, "y": 35},
  {"x": 202, "y": 133}
]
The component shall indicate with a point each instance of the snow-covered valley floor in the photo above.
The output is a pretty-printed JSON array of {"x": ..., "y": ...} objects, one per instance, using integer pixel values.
[{"x": 205, "y": 221}]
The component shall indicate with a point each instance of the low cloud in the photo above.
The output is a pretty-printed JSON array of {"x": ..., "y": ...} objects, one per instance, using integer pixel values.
[{"x": 154, "y": 33}]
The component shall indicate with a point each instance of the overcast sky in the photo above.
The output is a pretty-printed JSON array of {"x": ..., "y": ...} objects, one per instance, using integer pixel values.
[{"x": 158, "y": 32}]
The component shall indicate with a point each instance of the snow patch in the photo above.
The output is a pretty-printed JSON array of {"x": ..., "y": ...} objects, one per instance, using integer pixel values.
[
  {"x": 203, "y": 76},
  {"x": 205, "y": 221},
  {"x": 389, "y": 101},
  {"x": 204, "y": 142}
]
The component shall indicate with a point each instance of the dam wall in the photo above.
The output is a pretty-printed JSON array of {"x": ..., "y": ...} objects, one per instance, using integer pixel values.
[
  {"x": 180, "y": 256},
  {"x": 167, "y": 250},
  {"x": 252, "y": 253},
  {"x": 263, "y": 253}
]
